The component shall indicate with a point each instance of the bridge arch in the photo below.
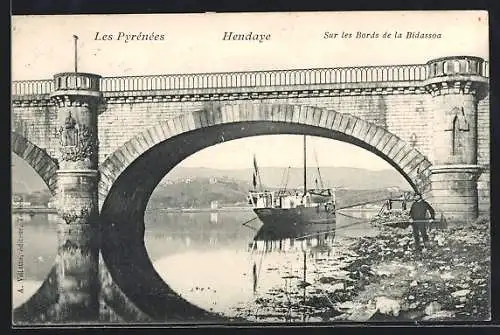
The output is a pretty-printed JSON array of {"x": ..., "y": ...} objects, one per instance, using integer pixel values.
[
  {"x": 37, "y": 158},
  {"x": 46, "y": 167},
  {"x": 132, "y": 172}
]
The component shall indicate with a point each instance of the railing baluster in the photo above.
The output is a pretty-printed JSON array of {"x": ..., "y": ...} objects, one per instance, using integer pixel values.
[{"x": 367, "y": 74}]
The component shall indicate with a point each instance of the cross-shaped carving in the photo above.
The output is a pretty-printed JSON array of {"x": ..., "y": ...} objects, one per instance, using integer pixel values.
[
  {"x": 457, "y": 123},
  {"x": 457, "y": 120},
  {"x": 413, "y": 140}
]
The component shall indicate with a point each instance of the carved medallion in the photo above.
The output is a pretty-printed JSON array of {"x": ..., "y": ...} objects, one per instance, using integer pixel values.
[
  {"x": 76, "y": 215},
  {"x": 77, "y": 142}
]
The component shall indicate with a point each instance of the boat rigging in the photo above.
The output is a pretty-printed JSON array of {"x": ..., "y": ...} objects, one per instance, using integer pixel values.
[{"x": 294, "y": 209}]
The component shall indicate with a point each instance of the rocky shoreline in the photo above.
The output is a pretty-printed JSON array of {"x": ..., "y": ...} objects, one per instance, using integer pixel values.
[{"x": 381, "y": 278}]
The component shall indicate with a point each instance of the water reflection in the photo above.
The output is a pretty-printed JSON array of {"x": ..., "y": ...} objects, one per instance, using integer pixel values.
[
  {"x": 209, "y": 260},
  {"x": 315, "y": 238},
  {"x": 230, "y": 265},
  {"x": 34, "y": 247}
]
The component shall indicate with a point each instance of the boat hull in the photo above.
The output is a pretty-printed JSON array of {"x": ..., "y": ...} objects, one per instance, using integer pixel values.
[{"x": 296, "y": 221}]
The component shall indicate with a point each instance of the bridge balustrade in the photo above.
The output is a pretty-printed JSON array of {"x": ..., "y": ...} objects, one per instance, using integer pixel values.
[
  {"x": 32, "y": 87},
  {"x": 342, "y": 75},
  {"x": 265, "y": 78}
]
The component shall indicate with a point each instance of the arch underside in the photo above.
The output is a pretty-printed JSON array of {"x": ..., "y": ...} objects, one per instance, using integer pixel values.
[
  {"x": 37, "y": 158},
  {"x": 46, "y": 168},
  {"x": 130, "y": 175}
]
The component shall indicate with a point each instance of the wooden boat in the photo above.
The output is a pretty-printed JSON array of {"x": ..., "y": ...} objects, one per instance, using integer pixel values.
[{"x": 285, "y": 210}]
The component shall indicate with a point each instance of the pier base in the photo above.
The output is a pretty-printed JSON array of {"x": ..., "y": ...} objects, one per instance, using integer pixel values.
[{"x": 454, "y": 192}]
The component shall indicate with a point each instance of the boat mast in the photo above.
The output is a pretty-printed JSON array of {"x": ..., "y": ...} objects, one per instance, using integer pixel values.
[
  {"x": 256, "y": 172},
  {"x": 319, "y": 172},
  {"x": 305, "y": 167}
]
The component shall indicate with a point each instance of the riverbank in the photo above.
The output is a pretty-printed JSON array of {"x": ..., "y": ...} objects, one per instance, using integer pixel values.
[
  {"x": 46, "y": 210},
  {"x": 204, "y": 210},
  {"x": 380, "y": 278},
  {"x": 33, "y": 210}
]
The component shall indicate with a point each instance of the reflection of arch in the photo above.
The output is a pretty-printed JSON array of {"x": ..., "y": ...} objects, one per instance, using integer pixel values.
[
  {"x": 46, "y": 168},
  {"x": 37, "y": 158},
  {"x": 145, "y": 159}
]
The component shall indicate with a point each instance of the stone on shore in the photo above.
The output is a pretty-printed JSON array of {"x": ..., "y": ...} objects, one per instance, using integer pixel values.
[
  {"x": 432, "y": 308},
  {"x": 382, "y": 278},
  {"x": 461, "y": 293},
  {"x": 363, "y": 313},
  {"x": 387, "y": 306},
  {"x": 441, "y": 315}
]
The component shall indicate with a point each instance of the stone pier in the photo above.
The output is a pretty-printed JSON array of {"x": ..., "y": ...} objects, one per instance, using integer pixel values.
[
  {"x": 77, "y": 97},
  {"x": 456, "y": 85}
]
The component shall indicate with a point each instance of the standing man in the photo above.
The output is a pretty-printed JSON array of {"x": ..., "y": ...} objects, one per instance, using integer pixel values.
[{"x": 418, "y": 214}]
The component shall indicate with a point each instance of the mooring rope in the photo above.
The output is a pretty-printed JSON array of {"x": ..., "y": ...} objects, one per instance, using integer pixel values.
[
  {"x": 362, "y": 203},
  {"x": 335, "y": 229},
  {"x": 349, "y": 216}
]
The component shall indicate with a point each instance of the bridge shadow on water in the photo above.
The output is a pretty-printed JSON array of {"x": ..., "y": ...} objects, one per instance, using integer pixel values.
[
  {"x": 122, "y": 213},
  {"x": 224, "y": 247}
]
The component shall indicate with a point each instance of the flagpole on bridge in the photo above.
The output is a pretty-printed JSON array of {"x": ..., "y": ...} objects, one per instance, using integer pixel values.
[{"x": 76, "y": 53}]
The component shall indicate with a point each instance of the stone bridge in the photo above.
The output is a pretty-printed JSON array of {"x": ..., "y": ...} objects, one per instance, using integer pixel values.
[{"x": 103, "y": 144}]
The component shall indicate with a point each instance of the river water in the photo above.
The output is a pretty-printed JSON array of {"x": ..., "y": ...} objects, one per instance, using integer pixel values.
[{"x": 218, "y": 266}]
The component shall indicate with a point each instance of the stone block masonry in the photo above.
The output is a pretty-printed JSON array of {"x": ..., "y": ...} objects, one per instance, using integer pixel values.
[
  {"x": 100, "y": 145},
  {"x": 400, "y": 114},
  {"x": 122, "y": 121},
  {"x": 36, "y": 122}
]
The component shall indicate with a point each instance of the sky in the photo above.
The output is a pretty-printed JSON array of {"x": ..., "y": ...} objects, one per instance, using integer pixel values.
[
  {"x": 43, "y": 46},
  {"x": 286, "y": 150}
]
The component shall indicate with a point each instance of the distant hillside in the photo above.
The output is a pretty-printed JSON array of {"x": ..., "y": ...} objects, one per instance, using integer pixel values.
[
  {"x": 353, "y": 178},
  {"x": 24, "y": 178},
  {"x": 199, "y": 193},
  {"x": 198, "y": 187}
]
